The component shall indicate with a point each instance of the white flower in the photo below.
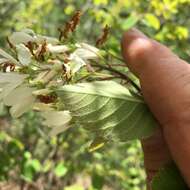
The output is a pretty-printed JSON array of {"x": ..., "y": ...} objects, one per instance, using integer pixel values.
[
  {"x": 57, "y": 120},
  {"x": 75, "y": 63},
  {"x": 24, "y": 55},
  {"x": 20, "y": 99},
  {"x": 81, "y": 56},
  {"x": 57, "y": 48},
  {"x": 6, "y": 57}
]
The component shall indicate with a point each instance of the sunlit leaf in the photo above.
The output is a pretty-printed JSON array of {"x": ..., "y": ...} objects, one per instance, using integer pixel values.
[
  {"x": 74, "y": 187},
  {"x": 130, "y": 22},
  {"x": 100, "y": 2},
  {"x": 108, "y": 109},
  {"x": 30, "y": 168},
  {"x": 97, "y": 143},
  {"x": 60, "y": 169},
  {"x": 182, "y": 32},
  {"x": 152, "y": 21}
]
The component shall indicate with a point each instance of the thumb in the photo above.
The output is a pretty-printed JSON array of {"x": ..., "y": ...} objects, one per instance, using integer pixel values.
[
  {"x": 141, "y": 53},
  {"x": 164, "y": 77},
  {"x": 165, "y": 82}
]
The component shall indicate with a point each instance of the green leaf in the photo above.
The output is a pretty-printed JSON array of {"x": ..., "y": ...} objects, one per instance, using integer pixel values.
[
  {"x": 20, "y": 99},
  {"x": 30, "y": 168},
  {"x": 8, "y": 57},
  {"x": 130, "y": 22},
  {"x": 57, "y": 120},
  {"x": 60, "y": 170},
  {"x": 24, "y": 55},
  {"x": 74, "y": 187},
  {"x": 97, "y": 143},
  {"x": 49, "y": 40},
  {"x": 152, "y": 21},
  {"x": 100, "y": 2},
  {"x": 36, "y": 165},
  {"x": 169, "y": 178},
  {"x": 107, "y": 108},
  {"x": 20, "y": 37}
]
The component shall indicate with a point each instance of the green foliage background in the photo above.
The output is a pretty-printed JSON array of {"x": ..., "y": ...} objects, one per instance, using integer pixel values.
[{"x": 29, "y": 159}]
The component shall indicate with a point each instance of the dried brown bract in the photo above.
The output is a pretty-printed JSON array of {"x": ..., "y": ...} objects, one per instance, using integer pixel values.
[
  {"x": 67, "y": 29},
  {"x": 103, "y": 38},
  {"x": 70, "y": 26},
  {"x": 31, "y": 46},
  {"x": 42, "y": 49},
  {"x": 75, "y": 20},
  {"x": 47, "y": 99}
]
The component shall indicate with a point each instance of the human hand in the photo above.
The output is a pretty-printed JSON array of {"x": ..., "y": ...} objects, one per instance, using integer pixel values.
[{"x": 165, "y": 83}]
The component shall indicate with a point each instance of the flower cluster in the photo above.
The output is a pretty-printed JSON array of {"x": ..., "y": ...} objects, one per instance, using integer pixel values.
[{"x": 34, "y": 68}]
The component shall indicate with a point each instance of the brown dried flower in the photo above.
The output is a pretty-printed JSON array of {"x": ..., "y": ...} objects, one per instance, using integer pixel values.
[
  {"x": 102, "y": 39},
  {"x": 70, "y": 26}
]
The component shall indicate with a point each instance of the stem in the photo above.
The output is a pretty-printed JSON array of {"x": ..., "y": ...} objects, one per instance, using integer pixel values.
[
  {"x": 117, "y": 65},
  {"x": 116, "y": 57},
  {"x": 122, "y": 75}
]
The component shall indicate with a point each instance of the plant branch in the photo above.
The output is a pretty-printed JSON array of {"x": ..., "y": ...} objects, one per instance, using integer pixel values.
[{"x": 122, "y": 75}]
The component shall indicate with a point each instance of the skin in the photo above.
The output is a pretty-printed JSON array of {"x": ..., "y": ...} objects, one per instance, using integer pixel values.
[{"x": 165, "y": 83}]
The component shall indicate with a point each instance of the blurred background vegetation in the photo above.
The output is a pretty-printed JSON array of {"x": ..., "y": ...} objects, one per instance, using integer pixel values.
[{"x": 29, "y": 159}]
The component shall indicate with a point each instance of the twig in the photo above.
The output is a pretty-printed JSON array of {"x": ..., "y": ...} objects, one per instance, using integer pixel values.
[
  {"x": 117, "y": 65},
  {"x": 122, "y": 75},
  {"x": 115, "y": 56}
]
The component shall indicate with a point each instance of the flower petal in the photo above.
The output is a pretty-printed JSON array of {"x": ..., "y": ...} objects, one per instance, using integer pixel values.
[{"x": 76, "y": 63}]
